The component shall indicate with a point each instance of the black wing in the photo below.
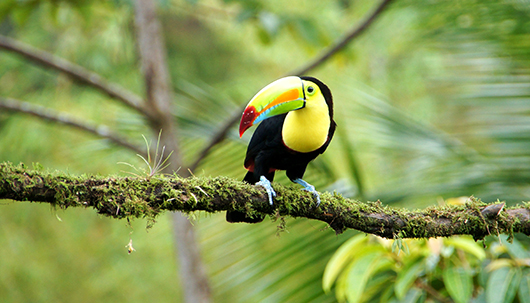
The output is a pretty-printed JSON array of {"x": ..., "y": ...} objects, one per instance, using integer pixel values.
[{"x": 268, "y": 135}]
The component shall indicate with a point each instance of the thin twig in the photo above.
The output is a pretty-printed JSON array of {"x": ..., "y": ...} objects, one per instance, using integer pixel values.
[
  {"x": 220, "y": 135},
  {"x": 344, "y": 41},
  {"x": 63, "y": 118},
  {"x": 216, "y": 139},
  {"x": 433, "y": 292},
  {"x": 74, "y": 71}
]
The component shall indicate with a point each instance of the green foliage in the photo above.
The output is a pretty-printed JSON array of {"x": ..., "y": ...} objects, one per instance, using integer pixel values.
[
  {"x": 502, "y": 284},
  {"x": 367, "y": 269},
  {"x": 22, "y": 11},
  {"x": 459, "y": 284}
]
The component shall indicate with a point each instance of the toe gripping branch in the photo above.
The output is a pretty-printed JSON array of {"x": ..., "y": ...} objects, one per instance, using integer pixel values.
[
  {"x": 268, "y": 187},
  {"x": 310, "y": 188}
]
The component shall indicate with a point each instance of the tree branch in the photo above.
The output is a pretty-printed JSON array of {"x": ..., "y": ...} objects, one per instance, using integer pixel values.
[
  {"x": 142, "y": 197},
  {"x": 344, "y": 41},
  {"x": 74, "y": 71},
  {"x": 58, "y": 117},
  {"x": 355, "y": 32}
]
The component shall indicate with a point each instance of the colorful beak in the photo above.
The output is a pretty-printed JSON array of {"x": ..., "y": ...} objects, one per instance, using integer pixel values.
[{"x": 279, "y": 97}]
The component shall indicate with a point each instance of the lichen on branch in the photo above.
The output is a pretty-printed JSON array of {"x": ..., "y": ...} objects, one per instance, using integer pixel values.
[{"x": 126, "y": 197}]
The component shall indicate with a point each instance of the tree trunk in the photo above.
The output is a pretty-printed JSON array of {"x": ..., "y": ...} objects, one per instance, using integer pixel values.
[{"x": 158, "y": 90}]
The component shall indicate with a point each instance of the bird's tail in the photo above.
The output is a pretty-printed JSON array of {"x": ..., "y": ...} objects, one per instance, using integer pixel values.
[
  {"x": 234, "y": 216},
  {"x": 239, "y": 216},
  {"x": 250, "y": 178}
]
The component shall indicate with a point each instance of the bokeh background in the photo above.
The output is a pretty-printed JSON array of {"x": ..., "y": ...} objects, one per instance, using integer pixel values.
[{"x": 432, "y": 102}]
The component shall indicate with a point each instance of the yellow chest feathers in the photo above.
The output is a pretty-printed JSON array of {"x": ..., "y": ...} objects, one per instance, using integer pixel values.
[{"x": 306, "y": 129}]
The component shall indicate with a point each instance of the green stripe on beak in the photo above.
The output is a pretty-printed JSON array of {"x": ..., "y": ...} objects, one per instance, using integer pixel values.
[{"x": 279, "y": 97}]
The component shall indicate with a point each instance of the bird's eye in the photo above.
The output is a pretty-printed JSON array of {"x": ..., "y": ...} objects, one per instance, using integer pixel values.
[{"x": 310, "y": 90}]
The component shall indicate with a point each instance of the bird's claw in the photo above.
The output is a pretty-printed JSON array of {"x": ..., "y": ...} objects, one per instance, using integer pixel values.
[
  {"x": 265, "y": 183},
  {"x": 317, "y": 196},
  {"x": 310, "y": 188}
]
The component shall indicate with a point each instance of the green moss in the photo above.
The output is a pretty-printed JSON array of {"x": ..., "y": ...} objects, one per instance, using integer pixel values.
[{"x": 147, "y": 197}]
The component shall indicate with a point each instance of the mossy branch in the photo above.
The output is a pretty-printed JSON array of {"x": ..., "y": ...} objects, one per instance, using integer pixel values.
[{"x": 120, "y": 197}]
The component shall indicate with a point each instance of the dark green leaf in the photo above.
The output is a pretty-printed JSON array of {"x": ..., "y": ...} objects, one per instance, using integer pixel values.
[
  {"x": 524, "y": 287},
  {"x": 360, "y": 272},
  {"x": 515, "y": 249},
  {"x": 406, "y": 278},
  {"x": 338, "y": 262},
  {"x": 502, "y": 285},
  {"x": 459, "y": 283}
]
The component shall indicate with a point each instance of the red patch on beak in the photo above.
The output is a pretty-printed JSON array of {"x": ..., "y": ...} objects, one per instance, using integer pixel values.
[{"x": 249, "y": 115}]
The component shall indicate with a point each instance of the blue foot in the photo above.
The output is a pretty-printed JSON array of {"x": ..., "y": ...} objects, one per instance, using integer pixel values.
[
  {"x": 268, "y": 187},
  {"x": 310, "y": 188}
]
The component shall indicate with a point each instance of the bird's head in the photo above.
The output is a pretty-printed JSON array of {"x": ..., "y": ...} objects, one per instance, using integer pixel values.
[{"x": 282, "y": 96}]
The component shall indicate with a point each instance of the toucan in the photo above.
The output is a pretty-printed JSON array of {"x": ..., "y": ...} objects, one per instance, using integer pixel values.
[{"x": 296, "y": 115}]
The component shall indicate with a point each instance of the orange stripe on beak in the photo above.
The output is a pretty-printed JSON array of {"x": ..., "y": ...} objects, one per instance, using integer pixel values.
[{"x": 289, "y": 95}]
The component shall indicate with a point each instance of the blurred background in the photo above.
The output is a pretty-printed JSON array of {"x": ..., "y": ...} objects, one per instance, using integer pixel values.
[{"x": 432, "y": 103}]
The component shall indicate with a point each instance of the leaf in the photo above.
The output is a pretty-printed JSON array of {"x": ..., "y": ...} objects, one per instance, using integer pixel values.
[
  {"x": 502, "y": 285},
  {"x": 459, "y": 284},
  {"x": 468, "y": 245},
  {"x": 338, "y": 261},
  {"x": 524, "y": 288},
  {"x": 344, "y": 282},
  {"x": 386, "y": 295},
  {"x": 406, "y": 278},
  {"x": 360, "y": 271},
  {"x": 380, "y": 282},
  {"x": 412, "y": 296},
  {"x": 515, "y": 249},
  {"x": 499, "y": 263}
]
